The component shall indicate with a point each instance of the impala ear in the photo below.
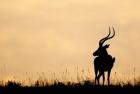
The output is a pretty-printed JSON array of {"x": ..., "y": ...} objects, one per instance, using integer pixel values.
[{"x": 106, "y": 46}]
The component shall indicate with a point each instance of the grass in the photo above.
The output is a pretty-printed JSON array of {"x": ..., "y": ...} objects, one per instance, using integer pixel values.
[{"x": 86, "y": 87}]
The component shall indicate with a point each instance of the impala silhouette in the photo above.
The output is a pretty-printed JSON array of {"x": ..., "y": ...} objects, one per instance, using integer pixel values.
[{"x": 103, "y": 62}]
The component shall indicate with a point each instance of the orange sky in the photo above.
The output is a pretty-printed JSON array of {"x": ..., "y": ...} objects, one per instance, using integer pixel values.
[{"x": 51, "y": 35}]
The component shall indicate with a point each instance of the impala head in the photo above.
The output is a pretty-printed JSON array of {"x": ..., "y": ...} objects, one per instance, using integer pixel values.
[{"x": 102, "y": 48}]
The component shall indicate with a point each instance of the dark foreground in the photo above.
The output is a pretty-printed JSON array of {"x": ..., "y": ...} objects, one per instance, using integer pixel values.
[
  {"x": 69, "y": 89},
  {"x": 64, "y": 90}
]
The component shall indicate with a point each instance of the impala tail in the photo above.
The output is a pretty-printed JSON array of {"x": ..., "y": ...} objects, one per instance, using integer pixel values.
[{"x": 113, "y": 60}]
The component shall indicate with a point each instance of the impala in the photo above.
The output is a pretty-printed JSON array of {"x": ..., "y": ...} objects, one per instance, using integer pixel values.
[{"x": 103, "y": 62}]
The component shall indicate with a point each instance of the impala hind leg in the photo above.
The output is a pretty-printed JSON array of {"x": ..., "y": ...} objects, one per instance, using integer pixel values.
[
  {"x": 103, "y": 78},
  {"x": 109, "y": 77}
]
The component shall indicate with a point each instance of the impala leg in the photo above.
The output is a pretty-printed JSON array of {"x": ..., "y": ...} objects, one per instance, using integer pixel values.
[
  {"x": 98, "y": 78},
  {"x": 96, "y": 72},
  {"x": 95, "y": 79},
  {"x": 109, "y": 77},
  {"x": 103, "y": 78}
]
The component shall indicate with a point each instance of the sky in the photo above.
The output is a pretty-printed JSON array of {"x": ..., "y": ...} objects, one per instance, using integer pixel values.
[{"x": 56, "y": 38}]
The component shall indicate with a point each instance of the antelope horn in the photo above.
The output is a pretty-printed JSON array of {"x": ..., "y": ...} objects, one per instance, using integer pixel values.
[
  {"x": 107, "y": 38},
  {"x": 103, "y": 39}
]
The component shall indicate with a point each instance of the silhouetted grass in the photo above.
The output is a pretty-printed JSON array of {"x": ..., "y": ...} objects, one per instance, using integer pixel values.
[{"x": 86, "y": 87}]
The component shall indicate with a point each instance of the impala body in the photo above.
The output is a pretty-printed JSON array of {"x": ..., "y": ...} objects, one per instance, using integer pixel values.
[{"x": 103, "y": 62}]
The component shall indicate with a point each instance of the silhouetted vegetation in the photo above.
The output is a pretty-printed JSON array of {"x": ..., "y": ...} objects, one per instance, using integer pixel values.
[{"x": 86, "y": 87}]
